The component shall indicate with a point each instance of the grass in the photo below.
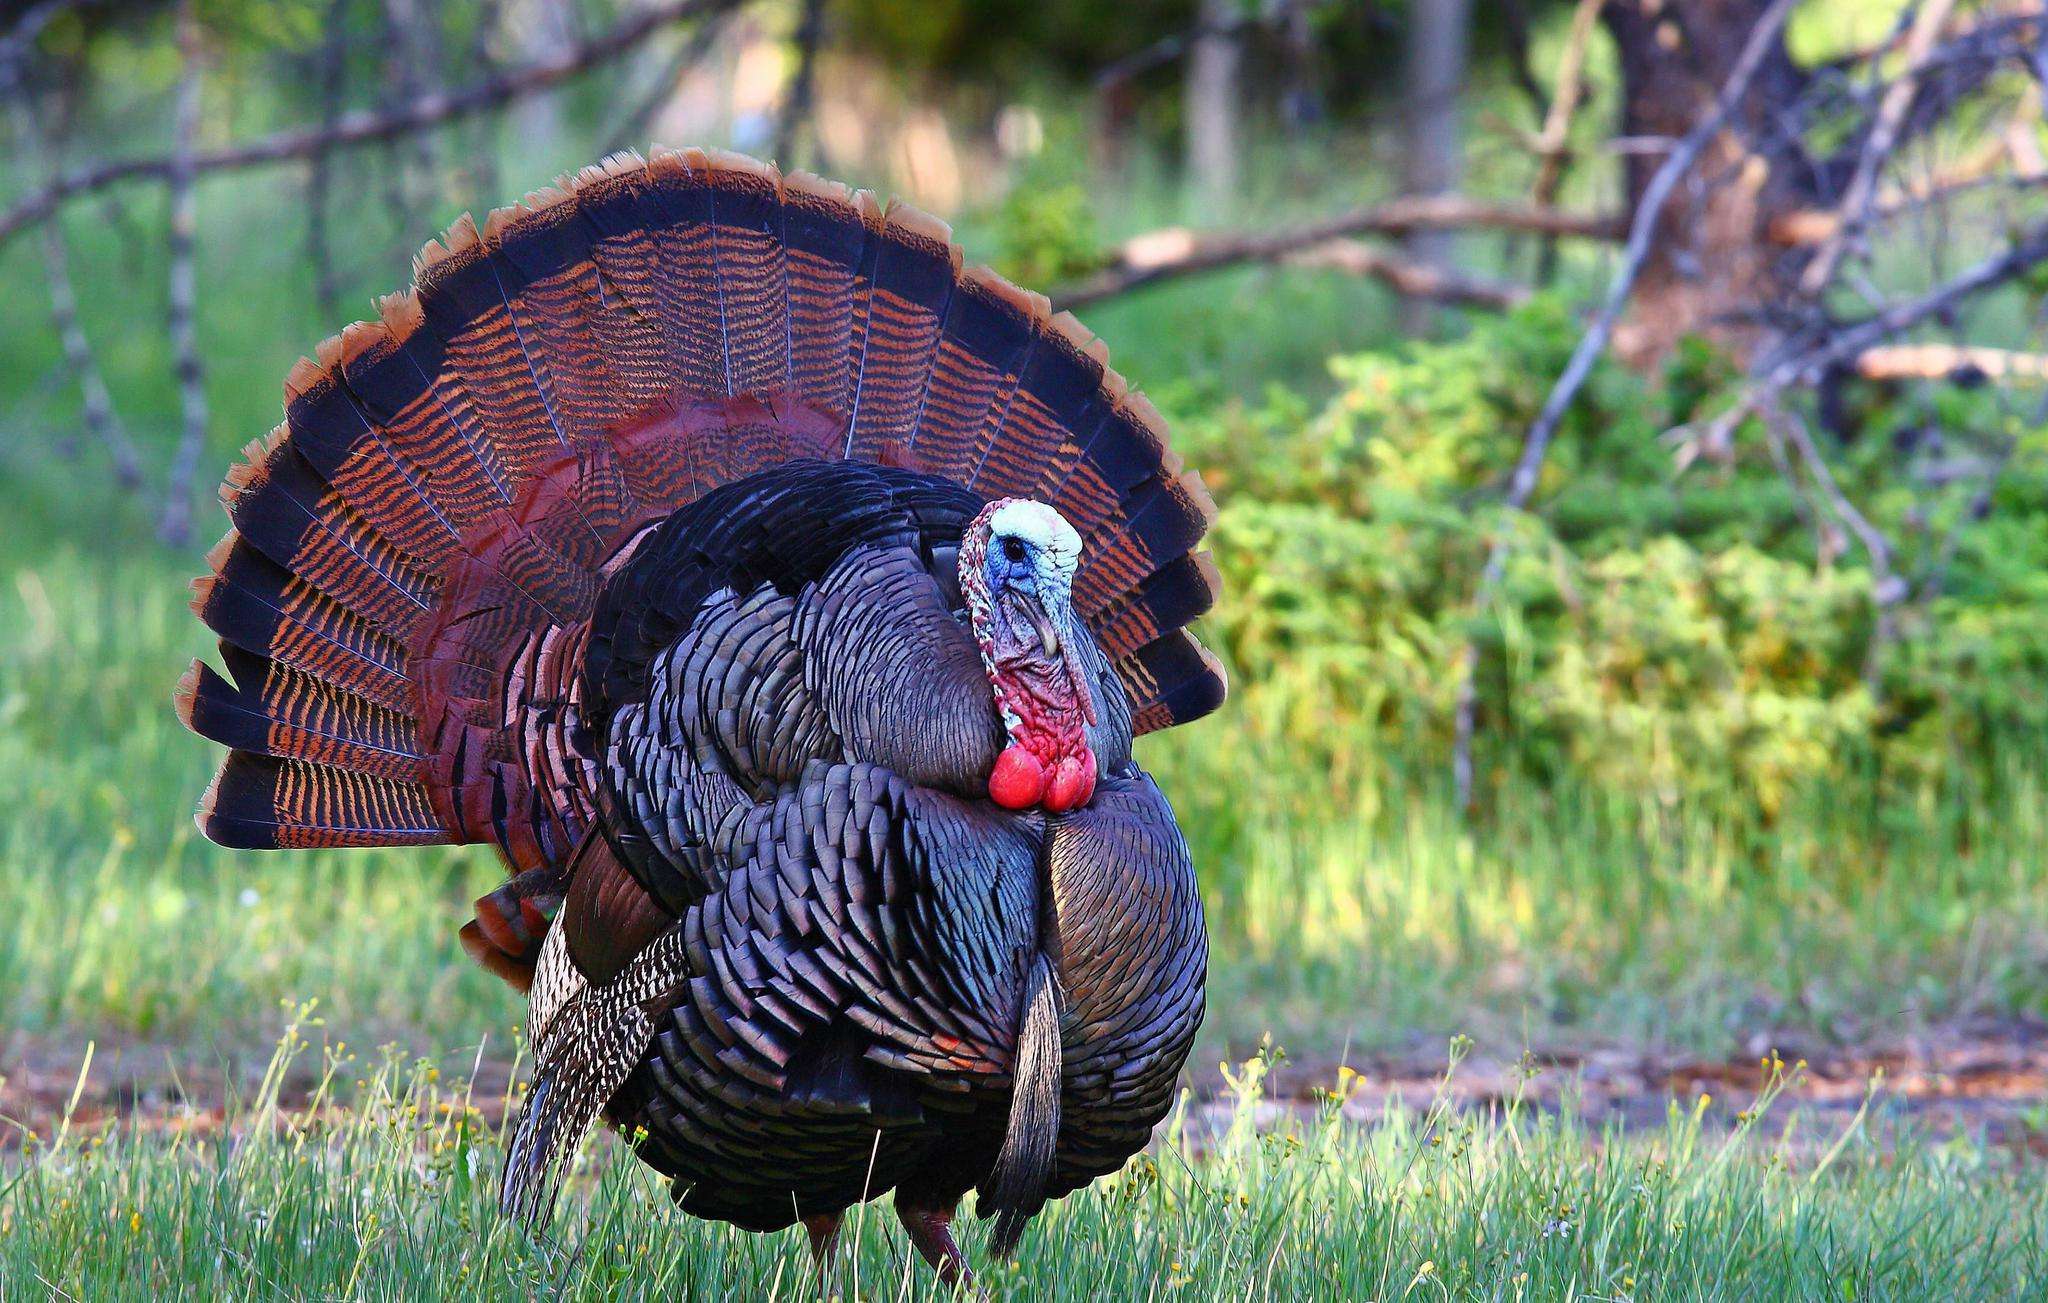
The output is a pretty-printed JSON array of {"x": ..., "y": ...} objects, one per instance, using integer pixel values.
[{"x": 381, "y": 1186}]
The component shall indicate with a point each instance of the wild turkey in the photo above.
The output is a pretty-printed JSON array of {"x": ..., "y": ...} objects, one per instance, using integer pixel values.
[{"x": 781, "y": 601}]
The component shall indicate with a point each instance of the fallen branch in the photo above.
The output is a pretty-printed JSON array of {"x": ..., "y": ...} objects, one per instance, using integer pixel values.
[
  {"x": 1964, "y": 363},
  {"x": 1177, "y": 251},
  {"x": 1536, "y": 443},
  {"x": 1410, "y": 279},
  {"x": 359, "y": 128}
]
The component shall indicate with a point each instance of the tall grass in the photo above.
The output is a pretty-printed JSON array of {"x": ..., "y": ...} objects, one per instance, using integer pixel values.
[{"x": 382, "y": 1185}]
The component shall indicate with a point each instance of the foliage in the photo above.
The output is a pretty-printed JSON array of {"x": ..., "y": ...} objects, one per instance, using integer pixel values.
[
  {"x": 1047, "y": 235},
  {"x": 1657, "y": 630}
]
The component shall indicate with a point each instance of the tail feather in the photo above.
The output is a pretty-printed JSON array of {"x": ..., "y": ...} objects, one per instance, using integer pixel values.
[
  {"x": 989, "y": 330},
  {"x": 1164, "y": 601},
  {"x": 914, "y": 274},
  {"x": 753, "y": 285},
  {"x": 254, "y": 604},
  {"x": 678, "y": 210},
  {"x": 283, "y": 509},
  {"x": 825, "y": 242},
  {"x": 1173, "y": 678},
  {"x": 263, "y": 803},
  {"x": 273, "y": 710},
  {"x": 339, "y": 440}
]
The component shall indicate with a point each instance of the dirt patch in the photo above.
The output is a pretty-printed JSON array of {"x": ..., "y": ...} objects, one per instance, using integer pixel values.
[{"x": 1985, "y": 1079}]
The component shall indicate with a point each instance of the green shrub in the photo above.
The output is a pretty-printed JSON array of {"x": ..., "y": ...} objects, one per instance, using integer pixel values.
[{"x": 1657, "y": 630}]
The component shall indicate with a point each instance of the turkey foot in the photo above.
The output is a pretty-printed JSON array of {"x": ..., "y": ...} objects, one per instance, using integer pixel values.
[
  {"x": 931, "y": 1230},
  {"x": 823, "y": 1228}
]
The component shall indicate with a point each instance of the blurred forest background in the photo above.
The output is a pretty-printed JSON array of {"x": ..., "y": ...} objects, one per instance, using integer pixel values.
[{"x": 1696, "y": 704}]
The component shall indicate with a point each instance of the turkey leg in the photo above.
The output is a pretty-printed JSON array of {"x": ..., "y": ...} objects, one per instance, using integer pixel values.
[{"x": 931, "y": 1230}]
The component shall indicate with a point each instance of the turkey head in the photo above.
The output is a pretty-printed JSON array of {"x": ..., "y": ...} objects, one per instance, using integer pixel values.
[{"x": 1017, "y": 564}]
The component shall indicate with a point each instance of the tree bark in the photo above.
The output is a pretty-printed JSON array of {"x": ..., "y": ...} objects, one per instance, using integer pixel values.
[
  {"x": 175, "y": 526},
  {"x": 1438, "y": 37},
  {"x": 1713, "y": 263},
  {"x": 1212, "y": 111}
]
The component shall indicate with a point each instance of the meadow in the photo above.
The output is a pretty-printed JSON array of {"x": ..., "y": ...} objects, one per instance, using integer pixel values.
[{"x": 259, "y": 1076}]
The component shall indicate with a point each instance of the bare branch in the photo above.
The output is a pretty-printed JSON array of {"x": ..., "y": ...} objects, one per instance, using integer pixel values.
[
  {"x": 330, "y": 75},
  {"x": 1982, "y": 171},
  {"x": 1877, "y": 147},
  {"x": 1536, "y": 444},
  {"x": 1410, "y": 279},
  {"x": 1177, "y": 251},
  {"x": 483, "y": 154},
  {"x": 1553, "y": 143},
  {"x": 631, "y": 127},
  {"x": 1978, "y": 507},
  {"x": 1858, "y": 342},
  {"x": 1170, "y": 49},
  {"x": 414, "y": 35},
  {"x": 1841, "y": 346},
  {"x": 14, "y": 45},
  {"x": 430, "y": 110},
  {"x": 175, "y": 526},
  {"x": 1887, "y": 589},
  {"x": 96, "y": 404}
]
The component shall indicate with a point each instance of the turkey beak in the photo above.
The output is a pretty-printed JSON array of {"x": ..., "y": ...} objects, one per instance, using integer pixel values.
[
  {"x": 1025, "y": 610},
  {"x": 1048, "y": 631}
]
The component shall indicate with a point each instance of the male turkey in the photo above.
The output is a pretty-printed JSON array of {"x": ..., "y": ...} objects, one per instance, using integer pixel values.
[{"x": 781, "y": 601}]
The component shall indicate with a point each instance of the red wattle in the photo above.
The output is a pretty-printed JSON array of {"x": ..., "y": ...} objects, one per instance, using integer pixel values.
[
  {"x": 1018, "y": 780},
  {"x": 1072, "y": 783}
]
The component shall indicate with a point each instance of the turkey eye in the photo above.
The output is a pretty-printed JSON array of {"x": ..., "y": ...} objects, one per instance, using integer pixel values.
[{"x": 1013, "y": 549}]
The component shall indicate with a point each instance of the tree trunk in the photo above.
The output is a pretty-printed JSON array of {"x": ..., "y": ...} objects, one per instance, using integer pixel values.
[
  {"x": 1212, "y": 111},
  {"x": 1438, "y": 32},
  {"x": 1713, "y": 266}
]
